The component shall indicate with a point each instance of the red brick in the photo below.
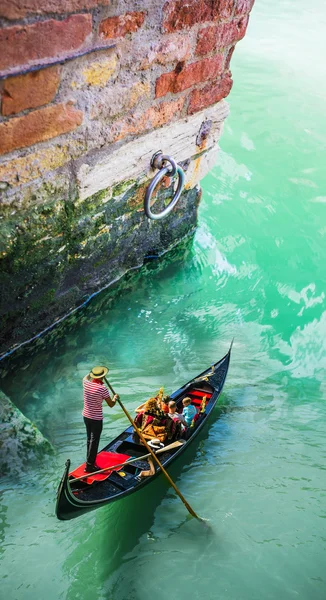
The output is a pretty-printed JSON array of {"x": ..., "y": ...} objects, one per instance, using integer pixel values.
[
  {"x": 182, "y": 78},
  {"x": 30, "y": 44},
  {"x": 120, "y": 26},
  {"x": 200, "y": 71},
  {"x": 18, "y": 10},
  {"x": 210, "y": 94},
  {"x": 225, "y": 9},
  {"x": 228, "y": 58},
  {"x": 207, "y": 40},
  {"x": 37, "y": 126},
  {"x": 243, "y": 7},
  {"x": 165, "y": 84},
  {"x": 178, "y": 14},
  {"x": 240, "y": 28},
  {"x": 30, "y": 91},
  {"x": 156, "y": 116},
  {"x": 215, "y": 37},
  {"x": 164, "y": 113}
]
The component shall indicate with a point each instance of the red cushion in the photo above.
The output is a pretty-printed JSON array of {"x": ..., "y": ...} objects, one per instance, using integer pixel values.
[
  {"x": 103, "y": 460},
  {"x": 197, "y": 397},
  {"x": 200, "y": 394},
  {"x": 196, "y": 403}
]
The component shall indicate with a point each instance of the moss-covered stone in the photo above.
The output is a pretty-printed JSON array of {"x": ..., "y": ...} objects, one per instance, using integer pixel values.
[
  {"x": 20, "y": 441},
  {"x": 56, "y": 253}
]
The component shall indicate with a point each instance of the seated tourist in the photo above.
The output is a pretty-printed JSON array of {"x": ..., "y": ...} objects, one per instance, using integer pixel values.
[
  {"x": 165, "y": 404},
  {"x": 162, "y": 401},
  {"x": 154, "y": 423},
  {"x": 173, "y": 414},
  {"x": 149, "y": 408},
  {"x": 159, "y": 403},
  {"x": 140, "y": 408},
  {"x": 189, "y": 411}
]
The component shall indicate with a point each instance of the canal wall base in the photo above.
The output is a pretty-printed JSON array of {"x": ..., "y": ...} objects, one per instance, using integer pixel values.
[
  {"x": 89, "y": 92},
  {"x": 20, "y": 441}
]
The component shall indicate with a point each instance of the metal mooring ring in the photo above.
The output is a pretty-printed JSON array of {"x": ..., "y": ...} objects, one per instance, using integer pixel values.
[{"x": 157, "y": 161}]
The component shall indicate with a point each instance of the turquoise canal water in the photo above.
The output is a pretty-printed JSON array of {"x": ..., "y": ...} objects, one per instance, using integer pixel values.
[{"x": 255, "y": 271}]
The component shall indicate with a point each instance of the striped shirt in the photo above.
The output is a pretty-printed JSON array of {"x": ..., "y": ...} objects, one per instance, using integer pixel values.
[{"x": 94, "y": 394}]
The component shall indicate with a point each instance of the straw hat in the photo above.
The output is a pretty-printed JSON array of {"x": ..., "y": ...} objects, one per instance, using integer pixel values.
[
  {"x": 155, "y": 444},
  {"x": 98, "y": 372}
]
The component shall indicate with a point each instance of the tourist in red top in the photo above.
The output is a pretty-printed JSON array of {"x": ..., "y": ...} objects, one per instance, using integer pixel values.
[{"x": 94, "y": 394}]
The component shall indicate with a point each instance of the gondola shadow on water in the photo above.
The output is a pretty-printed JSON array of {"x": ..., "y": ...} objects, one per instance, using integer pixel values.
[{"x": 111, "y": 534}]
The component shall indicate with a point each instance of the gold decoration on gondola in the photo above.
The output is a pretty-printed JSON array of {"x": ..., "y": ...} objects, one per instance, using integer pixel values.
[
  {"x": 203, "y": 404},
  {"x": 199, "y": 379},
  {"x": 159, "y": 395}
]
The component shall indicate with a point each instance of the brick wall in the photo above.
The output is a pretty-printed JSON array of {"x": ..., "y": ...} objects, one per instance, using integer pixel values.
[{"x": 80, "y": 78}]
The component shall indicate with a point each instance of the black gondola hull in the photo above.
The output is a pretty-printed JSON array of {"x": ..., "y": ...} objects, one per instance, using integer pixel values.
[{"x": 72, "y": 502}]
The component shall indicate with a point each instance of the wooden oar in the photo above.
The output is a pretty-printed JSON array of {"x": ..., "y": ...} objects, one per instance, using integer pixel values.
[
  {"x": 127, "y": 462},
  {"x": 139, "y": 433}
]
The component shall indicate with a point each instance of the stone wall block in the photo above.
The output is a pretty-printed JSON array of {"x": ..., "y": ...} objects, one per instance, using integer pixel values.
[
  {"x": 172, "y": 49},
  {"x": 22, "y": 170},
  {"x": 29, "y": 91},
  {"x": 118, "y": 99},
  {"x": 32, "y": 44},
  {"x": 155, "y": 116},
  {"x": 98, "y": 72},
  {"x": 95, "y": 174},
  {"x": 141, "y": 54},
  {"x": 120, "y": 26},
  {"x": 37, "y": 126}
]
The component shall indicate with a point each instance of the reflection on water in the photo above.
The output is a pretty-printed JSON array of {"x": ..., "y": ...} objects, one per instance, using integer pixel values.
[{"x": 254, "y": 271}]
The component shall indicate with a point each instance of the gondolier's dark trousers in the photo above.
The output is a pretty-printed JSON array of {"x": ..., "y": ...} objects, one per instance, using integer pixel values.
[{"x": 94, "y": 430}]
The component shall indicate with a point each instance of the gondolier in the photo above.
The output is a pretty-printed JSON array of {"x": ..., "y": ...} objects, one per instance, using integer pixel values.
[
  {"x": 95, "y": 393},
  {"x": 125, "y": 457}
]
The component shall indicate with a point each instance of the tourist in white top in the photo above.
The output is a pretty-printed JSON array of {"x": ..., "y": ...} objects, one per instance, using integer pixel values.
[{"x": 173, "y": 414}]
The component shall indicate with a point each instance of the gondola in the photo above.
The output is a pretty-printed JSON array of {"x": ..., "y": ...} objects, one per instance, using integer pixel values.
[{"x": 75, "y": 498}]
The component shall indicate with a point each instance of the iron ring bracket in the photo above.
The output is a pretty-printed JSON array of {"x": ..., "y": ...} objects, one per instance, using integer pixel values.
[{"x": 159, "y": 161}]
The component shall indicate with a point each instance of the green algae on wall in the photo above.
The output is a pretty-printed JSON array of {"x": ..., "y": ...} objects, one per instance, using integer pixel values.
[{"x": 55, "y": 253}]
